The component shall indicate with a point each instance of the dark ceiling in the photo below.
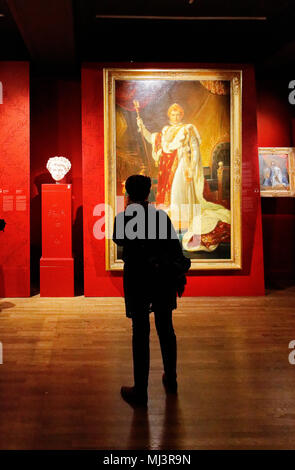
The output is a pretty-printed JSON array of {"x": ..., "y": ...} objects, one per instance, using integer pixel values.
[{"x": 64, "y": 33}]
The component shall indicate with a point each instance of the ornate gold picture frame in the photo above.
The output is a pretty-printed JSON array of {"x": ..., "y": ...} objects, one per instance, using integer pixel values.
[
  {"x": 277, "y": 171},
  {"x": 183, "y": 129}
]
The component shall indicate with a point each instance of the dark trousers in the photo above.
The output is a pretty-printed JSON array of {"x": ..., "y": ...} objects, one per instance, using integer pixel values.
[{"x": 141, "y": 346}]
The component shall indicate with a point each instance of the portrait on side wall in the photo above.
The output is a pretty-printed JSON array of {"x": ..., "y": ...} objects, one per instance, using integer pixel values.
[
  {"x": 183, "y": 129},
  {"x": 276, "y": 171}
]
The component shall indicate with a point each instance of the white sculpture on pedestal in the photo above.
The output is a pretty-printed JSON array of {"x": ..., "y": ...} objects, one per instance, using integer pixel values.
[{"x": 58, "y": 167}]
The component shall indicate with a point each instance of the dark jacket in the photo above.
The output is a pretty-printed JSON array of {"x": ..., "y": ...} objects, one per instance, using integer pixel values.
[{"x": 154, "y": 265}]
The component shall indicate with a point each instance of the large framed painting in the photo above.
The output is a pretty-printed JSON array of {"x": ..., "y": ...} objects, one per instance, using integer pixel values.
[
  {"x": 277, "y": 171},
  {"x": 183, "y": 129}
]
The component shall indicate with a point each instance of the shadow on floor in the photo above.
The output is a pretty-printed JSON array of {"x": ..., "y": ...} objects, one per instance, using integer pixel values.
[
  {"x": 272, "y": 285},
  {"x": 5, "y": 305},
  {"x": 170, "y": 430}
]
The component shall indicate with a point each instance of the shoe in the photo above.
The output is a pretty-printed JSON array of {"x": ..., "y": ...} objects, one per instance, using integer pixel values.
[
  {"x": 133, "y": 397},
  {"x": 169, "y": 385}
]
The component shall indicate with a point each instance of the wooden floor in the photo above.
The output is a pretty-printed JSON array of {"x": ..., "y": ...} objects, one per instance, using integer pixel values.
[{"x": 64, "y": 361}]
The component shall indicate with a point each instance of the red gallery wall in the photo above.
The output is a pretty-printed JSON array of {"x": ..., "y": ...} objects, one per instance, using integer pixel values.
[
  {"x": 98, "y": 281},
  {"x": 15, "y": 179},
  {"x": 56, "y": 130},
  {"x": 275, "y": 121}
]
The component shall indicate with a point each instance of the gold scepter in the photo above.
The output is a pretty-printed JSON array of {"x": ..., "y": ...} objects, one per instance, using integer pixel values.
[{"x": 146, "y": 159}]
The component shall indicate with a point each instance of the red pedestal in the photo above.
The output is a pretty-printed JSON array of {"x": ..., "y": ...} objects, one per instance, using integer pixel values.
[{"x": 56, "y": 264}]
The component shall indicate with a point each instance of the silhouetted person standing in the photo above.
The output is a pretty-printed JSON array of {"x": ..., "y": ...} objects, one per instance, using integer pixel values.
[{"x": 154, "y": 271}]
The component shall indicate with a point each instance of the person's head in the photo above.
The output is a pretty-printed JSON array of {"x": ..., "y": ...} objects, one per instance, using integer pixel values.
[
  {"x": 138, "y": 187},
  {"x": 175, "y": 113}
]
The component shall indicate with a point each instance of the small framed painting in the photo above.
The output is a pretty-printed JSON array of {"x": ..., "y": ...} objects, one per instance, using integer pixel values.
[{"x": 276, "y": 171}]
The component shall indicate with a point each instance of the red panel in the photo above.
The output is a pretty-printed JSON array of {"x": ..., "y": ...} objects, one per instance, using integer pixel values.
[
  {"x": 56, "y": 264},
  {"x": 273, "y": 114},
  {"x": 278, "y": 248},
  {"x": 276, "y": 128},
  {"x": 15, "y": 180},
  {"x": 99, "y": 282},
  {"x": 55, "y": 130}
]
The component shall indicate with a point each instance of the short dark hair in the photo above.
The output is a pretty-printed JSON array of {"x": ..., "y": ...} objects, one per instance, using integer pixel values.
[{"x": 138, "y": 187}]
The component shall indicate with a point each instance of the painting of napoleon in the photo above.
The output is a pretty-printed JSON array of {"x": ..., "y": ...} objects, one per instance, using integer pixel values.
[
  {"x": 274, "y": 170},
  {"x": 178, "y": 133}
]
